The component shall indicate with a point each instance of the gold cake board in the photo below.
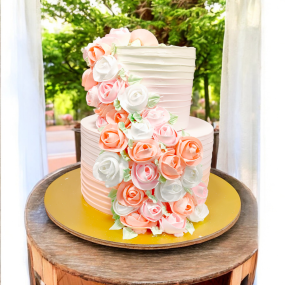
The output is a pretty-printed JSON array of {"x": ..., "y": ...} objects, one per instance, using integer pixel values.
[{"x": 67, "y": 208}]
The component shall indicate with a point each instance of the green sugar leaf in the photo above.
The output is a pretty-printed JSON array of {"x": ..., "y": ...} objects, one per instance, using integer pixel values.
[
  {"x": 156, "y": 162},
  {"x": 134, "y": 79},
  {"x": 173, "y": 119},
  {"x": 101, "y": 151},
  {"x": 113, "y": 194},
  {"x": 128, "y": 233},
  {"x": 122, "y": 74},
  {"x": 113, "y": 49},
  {"x": 122, "y": 127},
  {"x": 162, "y": 146},
  {"x": 189, "y": 227},
  {"x": 161, "y": 179},
  {"x": 137, "y": 117},
  {"x": 130, "y": 143},
  {"x": 153, "y": 100},
  {"x": 164, "y": 211},
  {"x": 150, "y": 196},
  {"x": 188, "y": 190},
  {"x": 185, "y": 134},
  {"x": 127, "y": 174},
  {"x": 101, "y": 129},
  {"x": 156, "y": 231},
  {"x": 117, "y": 225},
  {"x": 115, "y": 216},
  {"x": 117, "y": 105},
  {"x": 131, "y": 118},
  {"x": 125, "y": 156}
]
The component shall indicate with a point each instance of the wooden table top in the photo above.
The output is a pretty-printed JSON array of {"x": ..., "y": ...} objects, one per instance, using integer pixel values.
[{"x": 122, "y": 266}]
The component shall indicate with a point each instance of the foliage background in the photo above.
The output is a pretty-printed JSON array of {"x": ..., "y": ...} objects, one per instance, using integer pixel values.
[{"x": 174, "y": 22}]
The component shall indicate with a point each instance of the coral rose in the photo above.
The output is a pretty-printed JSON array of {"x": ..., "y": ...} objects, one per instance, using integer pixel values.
[
  {"x": 96, "y": 51},
  {"x": 151, "y": 211},
  {"x": 129, "y": 195},
  {"x": 104, "y": 109},
  {"x": 137, "y": 222},
  {"x": 166, "y": 134},
  {"x": 171, "y": 166},
  {"x": 115, "y": 117},
  {"x": 108, "y": 90},
  {"x": 87, "y": 80},
  {"x": 145, "y": 176},
  {"x": 173, "y": 224},
  {"x": 112, "y": 139},
  {"x": 145, "y": 151},
  {"x": 190, "y": 149},
  {"x": 183, "y": 207},
  {"x": 92, "y": 97}
]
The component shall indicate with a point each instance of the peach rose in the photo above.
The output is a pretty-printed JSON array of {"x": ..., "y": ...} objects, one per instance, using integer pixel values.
[
  {"x": 137, "y": 222},
  {"x": 96, "y": 51},
  {"x": 183, "y": 207},
  {"x": 87, "y": 80},
  {"x": 145, "y": 151},
  {"x": 173, "y": 224},
  {"x": 129, "y": 195},
  {"x": 112, "y": 139},
  {"x": 190, "y": 149},
  {"x": 119, "y": 37},
  {"x": 104, "y": 109},
  {"x": 92, "y": 97},
  {"x": 171, "y": 166},
  {"x": 145, "y": 37},
  {"x": 166, "y": 134},
  {"x": 115, "y": 117},
  {"x": 108, "y": 90}
]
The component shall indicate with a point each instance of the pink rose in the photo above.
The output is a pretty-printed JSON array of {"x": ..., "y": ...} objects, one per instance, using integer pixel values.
[
  {"x": 101, "y": 122},
  {"x": 145, "y": 151},
  {"x": 151, "y": 211},
  {"x": 183, "y": 207},
  {"x": 129, "y": 195},
  {"x": 96, "y": 51},
  {"x": 166, "y": 134},
  {"x": 104, "y": 109},
  {"x": 173, "y": 224},
  {"x": 87, "y": 80},
  {"x": 145, "y": 176},
  {"x": 108, "y": 90},
  {"x": 137, "y": 222},
  {"x": 171, "y": 166},
  {"x": 112, "y": 139},
  {"x": 119, "y": 37},
  {"x": 157, "y": 116},
  {"x": 115, "y": 117},
  {"x": 145, "y": 37},
  {"x": 200, "y": 193},
  {"x": 190, "y": 149},
  {"x": 92, "y": 97}
]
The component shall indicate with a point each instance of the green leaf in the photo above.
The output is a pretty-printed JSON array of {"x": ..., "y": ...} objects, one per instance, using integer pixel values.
[
  {"x": 101, "y": 129},
  {"x": 122, "y": 74},
  {"x": 173, "y": 119},
  {"x": 150, "y": 196},
  {"x": 156, "y": 231},
  {"x": 161, "y": 179},
  {"x": 185, "y": 134},
  {"x": 189, "y": 227},
  {"x": 122, "y": 127},
  {"x": 164, "y": 211},
  {"x": 128, "y": 233},
  {"x": 101, "y": 151},
  {"x": 113, "y": 49},
  {"x": 113, "y": 194},
  {"x": 162, "y": 146},
  {"x": 127, "y": 174},
  {"x": 130, "y": 143},
  {"x": 117, "y": 105},
  {"x": 188, "y": 190},
  {"x": 134, "y": 79},
  {"x": 125, "y": 156},
  {"x": 115, "y": 216},
  {"x": 117, "y": 225},
  {"x": 153, "y": 99},
  {"x": 137, "y": 117},
  {"x": 156, "y": 162},
  {"x": 131, "y": 118}
]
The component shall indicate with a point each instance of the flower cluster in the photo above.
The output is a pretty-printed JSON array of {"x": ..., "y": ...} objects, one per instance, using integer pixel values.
[{"x": 154, "y": 173}]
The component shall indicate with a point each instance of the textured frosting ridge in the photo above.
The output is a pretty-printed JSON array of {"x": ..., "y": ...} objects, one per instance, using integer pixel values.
[
  {"x": 94, "y": 191},
  {"x": 168, "y": 71}
]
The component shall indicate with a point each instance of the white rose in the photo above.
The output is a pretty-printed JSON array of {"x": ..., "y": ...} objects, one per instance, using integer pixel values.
[
  {"x": 199, "y": 214},
  {"x": 134, "y": 98},
  {"x": 192, "y": 176},
  {"x": 109, "y": 168},
  {"x": 170, "y": 191},
  {"x": 140, "y": 131},
  {"x": 105, "y": 68},
  {"x": 122, "y": 210}
]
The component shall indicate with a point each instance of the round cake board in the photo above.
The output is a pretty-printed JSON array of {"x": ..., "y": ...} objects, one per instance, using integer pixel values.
[{"x": 67, "y": 208}]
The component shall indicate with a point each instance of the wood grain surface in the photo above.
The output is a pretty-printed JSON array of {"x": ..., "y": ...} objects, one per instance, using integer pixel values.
[{"x": 66, "y": 256}]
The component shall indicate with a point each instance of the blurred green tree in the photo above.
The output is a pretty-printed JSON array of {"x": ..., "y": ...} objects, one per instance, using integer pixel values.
[{"x": 174, "y": 22}]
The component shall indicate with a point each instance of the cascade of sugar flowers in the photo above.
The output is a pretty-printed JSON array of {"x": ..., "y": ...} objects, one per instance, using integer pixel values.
[{"x": 154, "y": 173}]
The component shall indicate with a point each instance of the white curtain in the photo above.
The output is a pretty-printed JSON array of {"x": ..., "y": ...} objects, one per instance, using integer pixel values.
[
  {"x": 23, "y": 149},
  {"x": 240, "y": 93}
]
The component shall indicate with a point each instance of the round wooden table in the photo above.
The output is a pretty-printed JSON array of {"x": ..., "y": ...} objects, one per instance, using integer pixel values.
[{"x": 59, "y": 258}]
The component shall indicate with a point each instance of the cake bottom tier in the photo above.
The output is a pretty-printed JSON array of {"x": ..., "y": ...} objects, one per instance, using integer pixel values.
[{"x": 94, "y": 191}]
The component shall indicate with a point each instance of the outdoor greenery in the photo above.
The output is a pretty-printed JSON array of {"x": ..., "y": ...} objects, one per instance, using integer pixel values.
[{"x": 178, "y": 22}]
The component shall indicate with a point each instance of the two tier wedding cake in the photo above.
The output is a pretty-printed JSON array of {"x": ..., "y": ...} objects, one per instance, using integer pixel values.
[{"x": 144, "y": 160}]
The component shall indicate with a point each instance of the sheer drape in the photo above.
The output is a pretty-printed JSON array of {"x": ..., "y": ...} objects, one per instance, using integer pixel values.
[
  {"x": 240, "y": 93},
  {"x": 24, "y": 160}
]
